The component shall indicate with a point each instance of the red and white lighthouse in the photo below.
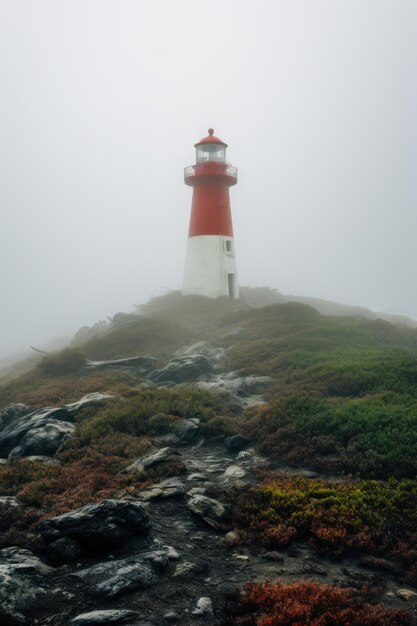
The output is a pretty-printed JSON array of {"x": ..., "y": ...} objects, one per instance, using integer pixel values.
[{"x": 210, "y": 266}]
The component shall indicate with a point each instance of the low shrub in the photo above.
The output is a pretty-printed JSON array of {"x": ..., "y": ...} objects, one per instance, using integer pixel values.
[
  {"x": 374, "y": 436},
  {"x": 136, "y": 415},
  {"x": 61, "y": 363},
  {"x": 368, "y": 516},
  {"x": 310, "y": 604}
]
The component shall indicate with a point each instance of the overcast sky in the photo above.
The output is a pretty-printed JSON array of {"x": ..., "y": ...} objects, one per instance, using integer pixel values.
[{"x": 101, "y": 102}]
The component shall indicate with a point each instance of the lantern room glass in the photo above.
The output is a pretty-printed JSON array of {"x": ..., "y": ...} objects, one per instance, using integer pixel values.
[{"x": 211, "y": 152}]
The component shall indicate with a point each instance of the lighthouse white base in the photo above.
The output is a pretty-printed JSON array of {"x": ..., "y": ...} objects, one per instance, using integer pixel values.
[{"x": 210, "y": 267}]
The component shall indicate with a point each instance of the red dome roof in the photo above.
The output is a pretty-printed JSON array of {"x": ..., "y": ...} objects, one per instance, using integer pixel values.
[{"x": 210, "y": 139}]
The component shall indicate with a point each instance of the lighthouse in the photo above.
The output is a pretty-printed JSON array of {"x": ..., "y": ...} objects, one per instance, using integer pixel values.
[{"x": 210, "y": 266}]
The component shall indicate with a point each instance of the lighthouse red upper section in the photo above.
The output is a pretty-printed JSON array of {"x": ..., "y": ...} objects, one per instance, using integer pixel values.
[
  {"x": 211, "y": 177},
  {"x": 210, "y": 139}
]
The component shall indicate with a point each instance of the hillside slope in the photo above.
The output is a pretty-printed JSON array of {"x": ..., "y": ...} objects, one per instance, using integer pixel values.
[{"x": 313, "y": 393}]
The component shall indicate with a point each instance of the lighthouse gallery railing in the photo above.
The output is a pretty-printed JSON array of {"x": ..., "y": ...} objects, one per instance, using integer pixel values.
[{"x": 210, "y": 168}]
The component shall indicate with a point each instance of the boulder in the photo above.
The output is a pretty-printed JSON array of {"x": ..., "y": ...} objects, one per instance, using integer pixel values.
[
  {"x": 186, "y": 430},
  {"x": 97, "y": 526},
  {"x": 234, "y": 472},
  {"x": 204, "y": 607},
  {"x": 11, "y": 412},
  {"x": 24, "y": 582},
  {"x": 146, "y": 462},
  {"x": 115, "y": 577},
  {"x": 236, "y": 442},
  {"x": 183, "y": 369},
  {"x": 39, "y": 433},
  {"x": 169, "y": 488},
  {"x": 143, "y": 364},
  {"x": 108, "y": 616},
  {"x": 211, "y": 511},
  {"x": 91, "y": 398},
  {"x": 64, "y": 550}
]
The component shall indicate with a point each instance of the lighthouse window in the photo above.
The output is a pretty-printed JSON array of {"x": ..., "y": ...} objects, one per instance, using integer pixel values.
[
  {"x": 228, "y": 245},
  {"x": 211, "y": 152}
]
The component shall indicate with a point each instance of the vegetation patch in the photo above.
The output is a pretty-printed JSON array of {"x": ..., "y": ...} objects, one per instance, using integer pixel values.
[
  {"x": 373, "y": 436},
  {"x": 61, "y": 363},
  {"x": 368, "y": 517},
  {"x": 135, "y": 415},
  {"x": 310, "y": 604}
]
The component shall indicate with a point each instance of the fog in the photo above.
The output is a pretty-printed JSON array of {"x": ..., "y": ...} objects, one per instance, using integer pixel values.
[{"x": 101, "y": 102}]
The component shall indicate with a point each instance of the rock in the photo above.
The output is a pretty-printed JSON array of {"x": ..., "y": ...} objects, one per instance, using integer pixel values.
[
  {"x": 241, "y": 557},
  {"x": 197, "y": 477},
  {"x": 184, "y": 568},
  {"x": 204, "y": 607},
  {"x": 406, "y": 594},
  {"x": 244, "y": 455},
  {"x": 39, "y": 433},
  {"x": 64, "y": 550},
  {"x": 186, "y": 430},
  {"x": 48, "y": 460},
  {"x": 236, "y": 442},
  {"x": 169, "y": 488},
  {"x": 172, "y": 617},
  {"x": 238, "y": 386},
  {"x": 183, "y": 369},
  {"x": 97, "y": 526},
  {"x": 211, "y": 511},
  {"x": 11, "y": 412},
  {"x": 273, "y": 556},
  {"x": 115, "y": 577},
  {"x": 9, "y": 501},
  {"x": 232, "y": 538},
  {"x": 146, "y": 462},
  {"x": 144, "y": 364},
  {"x": 234, "y": 472},
  {"x": 91, "y": 398},
  {"x": 197, "y": 491},
  {"x": 24, "y": 582},
  {"x": 310, "y": 566},
  {"x": 117, "y": 616}
]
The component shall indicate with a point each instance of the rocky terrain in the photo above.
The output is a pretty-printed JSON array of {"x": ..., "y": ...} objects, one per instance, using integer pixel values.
[{"x": 162, "y": 540}]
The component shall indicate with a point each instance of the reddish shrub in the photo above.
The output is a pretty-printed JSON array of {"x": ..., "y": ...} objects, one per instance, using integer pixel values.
[{"x": 311, "y": 604}]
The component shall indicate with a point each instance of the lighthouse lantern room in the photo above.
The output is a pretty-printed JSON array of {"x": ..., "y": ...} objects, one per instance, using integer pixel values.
[{"x": 210, "y": 266}]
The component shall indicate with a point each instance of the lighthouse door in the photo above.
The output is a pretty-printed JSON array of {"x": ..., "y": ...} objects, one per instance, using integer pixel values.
[{"x": 231, "y": 285}]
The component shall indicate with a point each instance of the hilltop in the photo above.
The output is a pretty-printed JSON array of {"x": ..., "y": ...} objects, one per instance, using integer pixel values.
[{"x": 319, "y": 414}]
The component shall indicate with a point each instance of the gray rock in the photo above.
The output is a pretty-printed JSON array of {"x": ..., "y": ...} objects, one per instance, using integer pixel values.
[
  {"x": 196, "y": 476},
  {"x": 9, "y": 501},
  {"x": 169, "y": 488},
  {"x": 109, "y": 616},
  {"x": 211, "y": 511},
  {"x": 64, "y": 550},
  {"x": 406, "y": 594},
  {"x": 11, "y": 412},
  {"x": 146, "y": 462},
  {"x": 39, "y": 433},
  {"x": 48, "y": 460},
  {"x": 204, "y": 607},
  {"x": 197, "y": 491},
  {"x": 91, "y": 398},
  {"x": 23, "y": 583},
  {"x": 234, "y": 472},
  {"x": 186, "y": 430},
  {"x": 115, "y": 577},
  {"x": 97, "y": 526},
  {"x": 143, "y": 364},
  {"x": 236, "y": 442},
  {"x": 171, "y": 616},
  {"x": 183, "y": 369}
]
